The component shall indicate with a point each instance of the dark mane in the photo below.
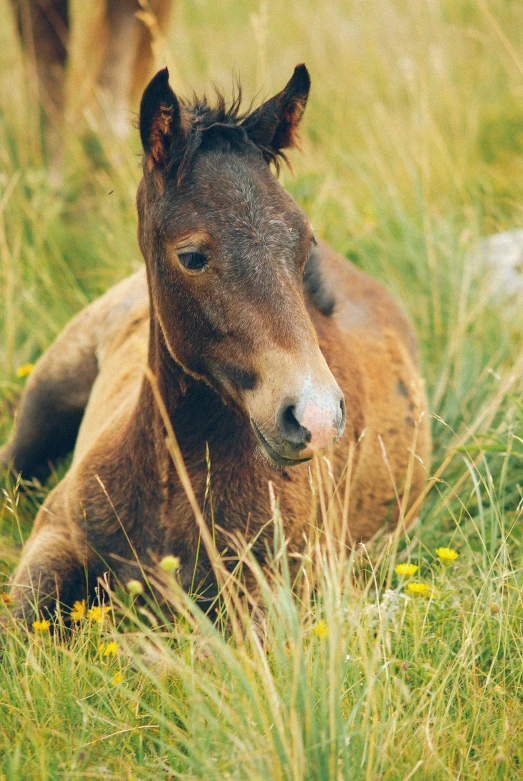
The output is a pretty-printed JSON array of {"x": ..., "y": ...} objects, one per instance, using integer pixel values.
[{"x": 217, "y": 127}]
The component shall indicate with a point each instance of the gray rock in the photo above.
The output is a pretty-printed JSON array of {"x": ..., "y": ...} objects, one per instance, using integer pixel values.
[{"x": 502, "y": 256}]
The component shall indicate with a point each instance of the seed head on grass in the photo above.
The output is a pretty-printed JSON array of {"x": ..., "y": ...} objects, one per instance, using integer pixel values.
[
  {"x": 447, "y": 554},
  {"x": 417, "y": 588},
  {"x": 78, "y": 611},
  {"x": 170, "y": 563},
  {"x": 134, "y": 587},
  {"x": 406, "y": 569},
  {"x": 41, "y": 626}
]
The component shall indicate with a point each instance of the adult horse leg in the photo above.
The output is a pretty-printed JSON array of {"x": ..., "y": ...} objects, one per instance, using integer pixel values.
[
  {"x": 43, "y": 26},
  {"x": 144, "y": 57},
  {"x": 128, "y": 58}
]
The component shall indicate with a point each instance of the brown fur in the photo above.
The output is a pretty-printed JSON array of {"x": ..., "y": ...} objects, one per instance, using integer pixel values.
[{"x": 227, "y": 347}]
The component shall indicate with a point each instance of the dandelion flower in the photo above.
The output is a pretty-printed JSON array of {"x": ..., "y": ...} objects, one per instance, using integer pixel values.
[
  {"x": 97, "y": 613},
  {"x": 78, "y": 611},
  {"x": 406, "y": 569},
  {"x": 321, "y": 629},
  {"x": 24, "y": 370},
  {"x": 109, "y": 649},
  {"x": 41, "y": 626},
  {"x": 447, "y": 554},
  {"x": 417, "y": 588},
  {"x": 170, "y": 563},
  {"x": 118, "y": 678},
  {"x": 134, "y": 587}
]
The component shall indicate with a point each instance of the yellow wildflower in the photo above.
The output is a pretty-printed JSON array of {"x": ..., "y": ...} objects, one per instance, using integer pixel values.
[
  {"x": 406, "y": 569},
  {"x": 118, "y": 678},
  {"x": 134, "y": 587},
  {"x": 6, "y": 598},
  {"x": 24, "y": 370},
  {"x": 321, "y": 629},
  {"x": 109, "y": 649},
  {"x": 447, "y": 554},
  {"x": 97, "y": 613},
  {"x": 170, "y": 563},
  {"x": 41, "y": 626},
  {"x": 417, "y": 588},
  {"x": 78, "y": 611}
]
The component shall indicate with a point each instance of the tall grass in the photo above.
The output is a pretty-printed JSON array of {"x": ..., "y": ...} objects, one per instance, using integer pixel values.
[{"x": 413, "y": 149}]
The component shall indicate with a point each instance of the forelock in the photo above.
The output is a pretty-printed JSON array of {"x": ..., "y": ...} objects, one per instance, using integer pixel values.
[{"x": 215, "y": 127}]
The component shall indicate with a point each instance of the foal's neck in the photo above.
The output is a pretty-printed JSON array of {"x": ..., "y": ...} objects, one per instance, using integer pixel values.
[{"x": 196, "y": 412}]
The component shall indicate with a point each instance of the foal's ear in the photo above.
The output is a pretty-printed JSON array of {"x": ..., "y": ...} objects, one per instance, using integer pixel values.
[
  {"x": 274, "y": 125},
  {"x": 161, "y": 128}
]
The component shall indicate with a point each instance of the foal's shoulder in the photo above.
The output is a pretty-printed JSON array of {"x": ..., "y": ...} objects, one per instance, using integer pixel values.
[
  {"x": 128, "y": 298},
  {"x": 121, "y": 311}
]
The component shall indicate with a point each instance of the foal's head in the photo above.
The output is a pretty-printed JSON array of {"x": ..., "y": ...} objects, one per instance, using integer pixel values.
[{"x": 226, "y": 248}]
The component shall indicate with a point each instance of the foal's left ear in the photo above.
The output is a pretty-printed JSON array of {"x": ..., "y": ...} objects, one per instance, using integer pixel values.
[
  {"x": 161, "y": 127},
  {"x": 274, "y": 125}
]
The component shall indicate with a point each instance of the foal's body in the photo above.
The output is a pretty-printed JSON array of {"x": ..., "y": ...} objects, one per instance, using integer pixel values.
[
  {"x": 122, "y": 499},
  {"x": 101, "y": 356}
]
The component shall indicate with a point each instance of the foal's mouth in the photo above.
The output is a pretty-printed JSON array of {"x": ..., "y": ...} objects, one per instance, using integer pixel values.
[{"x": 273, "y": 456}]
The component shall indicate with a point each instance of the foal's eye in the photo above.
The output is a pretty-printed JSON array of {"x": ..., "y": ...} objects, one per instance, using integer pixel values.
[{"x": 193, "y": 261}]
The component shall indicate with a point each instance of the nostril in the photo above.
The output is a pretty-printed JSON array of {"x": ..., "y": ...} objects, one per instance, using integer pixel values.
[
  {"x": 291, "y": 429},
  {"x": 340, "y": 419},
  {"x": 343, "y": 412},
  {"x": 289, "y": 417}
]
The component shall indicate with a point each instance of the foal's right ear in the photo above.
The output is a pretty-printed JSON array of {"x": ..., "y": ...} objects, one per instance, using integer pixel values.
[
  {"x": 161, "y": 128},
  {"x": 274, "y": 125}
]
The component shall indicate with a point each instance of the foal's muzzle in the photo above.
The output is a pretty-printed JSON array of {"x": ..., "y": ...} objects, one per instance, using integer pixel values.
[
  {"x": 303, "y": 425},
  {"x": 297, "y": 407},
  {"x": 308, "y": 424}
]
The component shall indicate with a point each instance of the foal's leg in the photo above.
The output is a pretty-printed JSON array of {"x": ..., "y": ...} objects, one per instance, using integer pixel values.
[
  {"x": 51, "y": 571},
  {"x": 54, "y": 400},
  {"x": 53, "y": 565}
]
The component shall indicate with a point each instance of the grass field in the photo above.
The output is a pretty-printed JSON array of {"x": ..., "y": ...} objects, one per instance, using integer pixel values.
[{"x": 413, "y": 148}]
